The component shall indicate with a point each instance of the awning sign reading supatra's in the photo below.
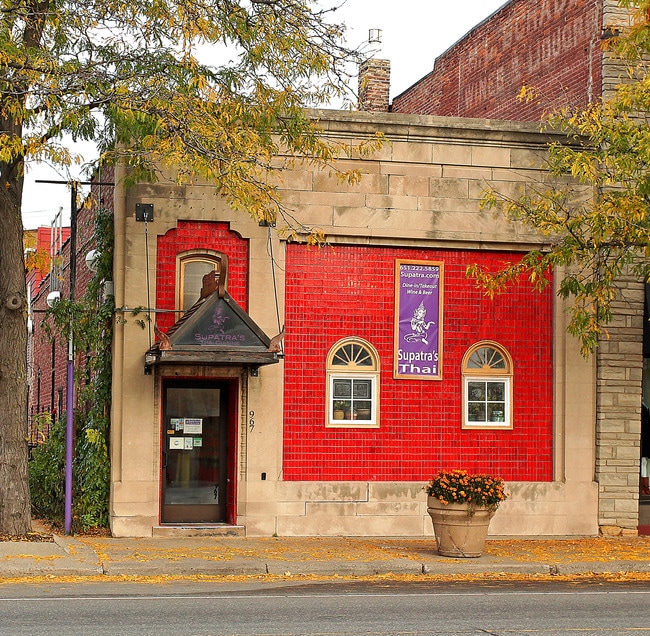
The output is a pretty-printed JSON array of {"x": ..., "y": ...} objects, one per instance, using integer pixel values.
[{"x": 418, "y": 320}]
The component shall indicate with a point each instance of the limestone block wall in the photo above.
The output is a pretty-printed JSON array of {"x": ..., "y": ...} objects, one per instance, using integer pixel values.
[
  {"x": 614, "y": 71},
  {"x": 400, "y": 509},
  {"x": 618, "y": 432}
]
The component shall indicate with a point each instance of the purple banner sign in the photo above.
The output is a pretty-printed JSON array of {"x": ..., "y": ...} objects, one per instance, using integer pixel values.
[{"x": 418, "y": 320}]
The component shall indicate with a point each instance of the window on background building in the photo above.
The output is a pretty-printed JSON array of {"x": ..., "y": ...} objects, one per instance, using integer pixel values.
[
  {"x": 353, "y": 384},
  {"x": 487, "y": 386},
  {"x": 192, "y": 267}
]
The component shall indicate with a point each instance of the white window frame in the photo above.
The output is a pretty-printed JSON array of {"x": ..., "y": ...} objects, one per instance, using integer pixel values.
[
  {"x": 352, "y": 372},
  {"x": 499, "y": 418},
  {"x": 192, "y": 256}
]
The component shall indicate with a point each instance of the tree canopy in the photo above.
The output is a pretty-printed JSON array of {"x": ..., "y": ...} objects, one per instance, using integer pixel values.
[
  {"x": 209, "y": 88},
  {"x": 213, "y": 89},
  {"x": 595, "y": 208}
]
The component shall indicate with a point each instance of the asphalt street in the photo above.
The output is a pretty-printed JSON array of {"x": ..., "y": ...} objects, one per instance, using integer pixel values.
[{"x": 326, "y": 609}]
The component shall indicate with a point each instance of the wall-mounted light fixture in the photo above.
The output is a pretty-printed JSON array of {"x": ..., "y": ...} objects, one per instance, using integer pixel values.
[
  {"x": 144, "y": 212},
  {"x": 92, "y": 260},
  {"x": 53, "y": 298}
]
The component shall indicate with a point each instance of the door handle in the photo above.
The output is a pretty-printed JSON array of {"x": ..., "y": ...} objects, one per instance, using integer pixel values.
[{"x": 164, "y": 463}]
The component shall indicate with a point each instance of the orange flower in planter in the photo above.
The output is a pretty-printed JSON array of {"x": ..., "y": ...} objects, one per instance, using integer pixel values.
[{"x": 459, "y": 486}]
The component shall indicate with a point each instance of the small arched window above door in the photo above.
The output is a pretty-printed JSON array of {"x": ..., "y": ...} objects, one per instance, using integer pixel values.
[
  {"x": 487, "y": 386},
  {"x": 191, "y": 268},
  {"x": 352, "y": 384}
]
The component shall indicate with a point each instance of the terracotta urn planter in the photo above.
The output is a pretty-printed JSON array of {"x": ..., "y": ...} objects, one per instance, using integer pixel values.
[{"x": 460, "y": 529}]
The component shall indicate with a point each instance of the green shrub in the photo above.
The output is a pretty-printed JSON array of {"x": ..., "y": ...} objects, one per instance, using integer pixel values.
[{"x": 47, "y": 475}]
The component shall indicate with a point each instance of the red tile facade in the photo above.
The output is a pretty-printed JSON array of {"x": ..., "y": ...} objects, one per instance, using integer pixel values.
[
  {"x": 551, "y": 45},
  {"x": 199, "y": 235},
  {"x": 343, "y": 291}
]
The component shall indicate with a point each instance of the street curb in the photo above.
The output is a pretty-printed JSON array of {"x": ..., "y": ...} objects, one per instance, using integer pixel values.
[
  {"x": 600, "y": 567},
  {"x": 186, "y": 568},
  {"x": 345, "y": 568},
  {"x": 475, "y": 568}
]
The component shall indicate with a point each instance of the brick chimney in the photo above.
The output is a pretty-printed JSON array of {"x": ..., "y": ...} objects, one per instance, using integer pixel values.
[{"x": 374, "y": 85}]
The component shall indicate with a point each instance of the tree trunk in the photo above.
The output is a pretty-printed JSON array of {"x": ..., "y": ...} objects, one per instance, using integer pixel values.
[{"x": 15, "y": 513}]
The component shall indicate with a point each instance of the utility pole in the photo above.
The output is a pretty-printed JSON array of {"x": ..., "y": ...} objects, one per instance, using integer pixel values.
[{"x": 69, "y": 426}]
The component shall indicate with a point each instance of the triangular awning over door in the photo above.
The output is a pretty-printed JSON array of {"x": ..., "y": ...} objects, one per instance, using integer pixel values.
[{"x": 216, "y": 330}]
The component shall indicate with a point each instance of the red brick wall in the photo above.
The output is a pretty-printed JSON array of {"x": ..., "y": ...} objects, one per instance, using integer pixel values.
[
  {"x": 552, "y": 45},
  {"x": 194, "y": 235},
  {"x": 50, "y": 355},
  {"x": 349, "y": 291}
]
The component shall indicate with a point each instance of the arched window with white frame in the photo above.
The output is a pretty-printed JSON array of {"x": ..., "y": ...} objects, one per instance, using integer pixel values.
[
  {"x": 487, "y": 373},
  {"x": 352, "y": 384}
]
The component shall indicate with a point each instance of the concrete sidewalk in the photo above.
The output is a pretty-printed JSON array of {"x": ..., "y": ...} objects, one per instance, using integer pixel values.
[{"x": 320, "y": 556}]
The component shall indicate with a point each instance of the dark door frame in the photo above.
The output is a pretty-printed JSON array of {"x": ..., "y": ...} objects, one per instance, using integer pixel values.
[{"x": 231, "y": 401}]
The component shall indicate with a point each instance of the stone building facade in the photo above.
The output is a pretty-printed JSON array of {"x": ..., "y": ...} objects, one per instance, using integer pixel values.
[{"x": 292, "y": 466}]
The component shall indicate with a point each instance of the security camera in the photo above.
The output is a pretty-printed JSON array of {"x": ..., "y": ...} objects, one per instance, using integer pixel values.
[{"x": 53, "y": 298}]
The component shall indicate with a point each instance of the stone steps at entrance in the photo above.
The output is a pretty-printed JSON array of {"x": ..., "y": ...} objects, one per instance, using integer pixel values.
[{"x": 198, "y": 530}]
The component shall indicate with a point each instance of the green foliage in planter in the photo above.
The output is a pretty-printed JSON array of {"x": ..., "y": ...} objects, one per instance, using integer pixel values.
[{"x": 91, "y": 319}]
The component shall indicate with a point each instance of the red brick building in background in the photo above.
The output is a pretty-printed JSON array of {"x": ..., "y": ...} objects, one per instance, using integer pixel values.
[
  {"x": 46, "y": 357},
  {"x": 48, "y": 352},
  {"x": 553, "y": 46}
]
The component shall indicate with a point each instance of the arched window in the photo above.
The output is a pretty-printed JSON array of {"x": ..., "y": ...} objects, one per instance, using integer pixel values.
[
  {"x": 352, "y": 384},
  {"x": 191, "y": 268},
  {"x": 487, "y": 386}
]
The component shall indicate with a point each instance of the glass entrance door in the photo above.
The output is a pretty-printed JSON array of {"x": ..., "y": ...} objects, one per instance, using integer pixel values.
[{"x": 194, "y": 452}]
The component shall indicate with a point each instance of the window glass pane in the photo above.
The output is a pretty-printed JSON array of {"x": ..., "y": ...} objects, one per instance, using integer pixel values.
[
  {"x": 496, "y": 391},
  {"x": 495, "y": 359},
  {"x": 363, "y": 410},
  {"x": 362, "y": 356},
  {"x": 486, "y": 357},
  {"x": 352, "y": 399},
  {"x": 476, "y": 391},
  {"x": 496, "y": 411},
  {"x": 344, "y": 408},
  {"x": 342, "y": 388},
  {"x": 487, "y": 401},
  {"x": 342, "y": 356},
  {"x": 475, "y": 361},
  {"x": 193, "y": 273},
  {"x": 362, "y": 389},
  {"x": 352, "y": 354},
  {"x": 476, "y": 412}
]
